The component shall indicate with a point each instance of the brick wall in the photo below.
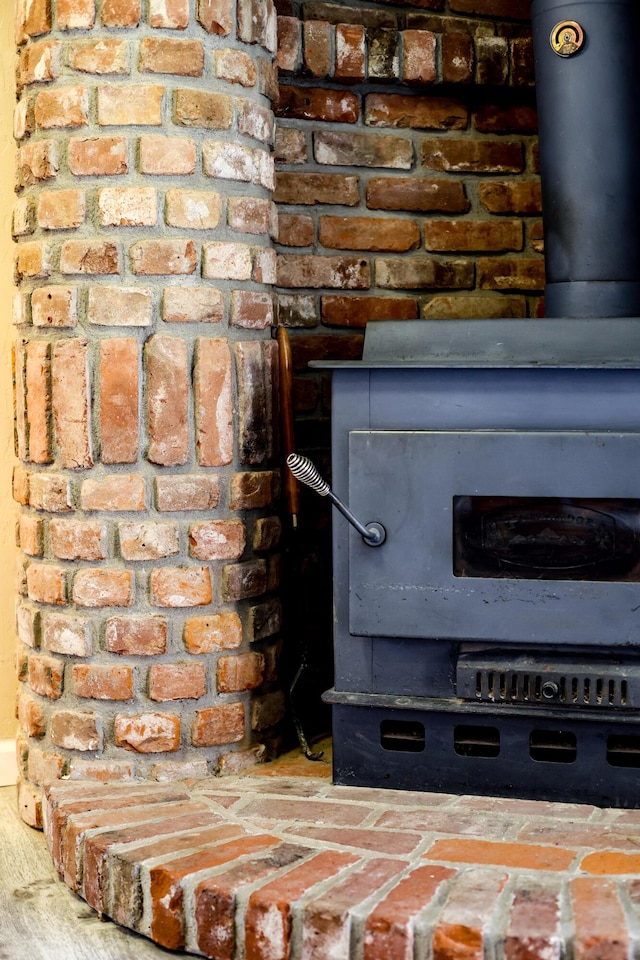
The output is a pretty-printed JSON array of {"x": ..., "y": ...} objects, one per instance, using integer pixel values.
[{"x": 145, "y": 379}]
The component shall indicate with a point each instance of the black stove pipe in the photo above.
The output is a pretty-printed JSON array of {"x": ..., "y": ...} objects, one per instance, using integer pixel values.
[{"x": 588, "y": 90}]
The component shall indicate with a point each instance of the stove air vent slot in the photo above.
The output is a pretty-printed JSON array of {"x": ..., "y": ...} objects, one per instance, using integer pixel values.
[{"x": 522, "y": 680}]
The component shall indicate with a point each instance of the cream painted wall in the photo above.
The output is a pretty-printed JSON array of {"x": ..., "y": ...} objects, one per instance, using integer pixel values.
[{"x": 7, "y": 507}]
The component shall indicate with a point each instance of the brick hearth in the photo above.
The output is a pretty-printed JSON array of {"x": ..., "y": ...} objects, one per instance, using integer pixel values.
[{"x": 282, "y": 864}]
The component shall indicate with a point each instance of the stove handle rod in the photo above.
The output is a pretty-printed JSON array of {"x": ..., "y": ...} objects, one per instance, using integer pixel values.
[{"x": 373, "y": 534}]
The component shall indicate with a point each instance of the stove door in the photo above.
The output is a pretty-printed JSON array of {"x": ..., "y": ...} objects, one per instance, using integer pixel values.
[{"x": 525, "y": 537}]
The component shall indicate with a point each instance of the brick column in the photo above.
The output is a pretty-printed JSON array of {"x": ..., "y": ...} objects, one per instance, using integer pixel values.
[{"x": 145, "y": 378}]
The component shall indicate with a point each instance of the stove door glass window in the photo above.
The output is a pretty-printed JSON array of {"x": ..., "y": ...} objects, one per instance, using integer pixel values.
[{"x": 546, "y": 538}]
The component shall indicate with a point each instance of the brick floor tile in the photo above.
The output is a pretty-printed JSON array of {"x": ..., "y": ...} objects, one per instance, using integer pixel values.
[
  {"x": 396, "y": 843},
  {"x": 167, "y": 922},
  {"x": 534, "y": 931},
  {"x": 601, "y": 930},
  {"x": 215, "y": 899},
  {"x": 269, "y": 912},
  {"x": 526, "y": 855},
  {"x": 460, "y": 929},
  {"x": 314, "y": 811},
  {"x": 389, "y": 928},
  {"x": 436, "y": 821},
  {"x": 327, "y": 920},
  {"x": 598, "y": 836},
  {"x": 610, "y": 862},
  {"x": 529, "y": 808}
]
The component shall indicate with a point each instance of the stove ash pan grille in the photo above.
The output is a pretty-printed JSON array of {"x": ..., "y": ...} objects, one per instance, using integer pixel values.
[{"x": 521, "y": 680}]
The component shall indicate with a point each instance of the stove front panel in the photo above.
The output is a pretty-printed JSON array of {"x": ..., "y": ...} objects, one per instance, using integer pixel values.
[{"x": 518, "y": 536}]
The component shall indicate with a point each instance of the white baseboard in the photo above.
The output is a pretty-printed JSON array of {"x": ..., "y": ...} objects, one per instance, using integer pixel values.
[{"x": 8, "y": 767}]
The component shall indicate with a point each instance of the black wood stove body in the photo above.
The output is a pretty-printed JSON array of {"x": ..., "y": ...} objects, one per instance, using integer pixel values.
[{"x": 491, "y": 643}]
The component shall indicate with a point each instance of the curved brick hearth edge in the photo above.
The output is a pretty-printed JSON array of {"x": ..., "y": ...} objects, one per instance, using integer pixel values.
[{"x": 271, "y": 866}]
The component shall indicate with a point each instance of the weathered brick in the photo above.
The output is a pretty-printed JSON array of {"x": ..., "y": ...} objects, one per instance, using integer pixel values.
[
  {"x": 180, "y": 586},
  {"x": 227, "y": 161},
  {"x": 492, "y": 60},
  {"x": 128, "y": 207},
  {"x": 185, "y": 492},
  {"x": 148, "y": 732},
  {"x": 363, "y": 150},
  {"x": 511, "y": 274},
  {"x": 75, "y": 730},
  {"x": 105, "y": 56},
  {"x": 417, "y": 193},
  {"x": 253, "y": 490},
  {"x": 177, "y": 681},
  {"x": 31, "y": 716},
  {"x": 119, "y": 492},
  {"x": 46, "y": 583},
  {"x": 297, "y": 311},
  {"x": 46, "y": 676},
  {"x": 217, "y": 725},
  {"x": 290, "y": 145},
  {"x": 599, "y": 919},
  {"x": 226, "y": 261},
  {"x": 313, "y": 188},
  {"x": 164, "y": 55},
  {"x": 148, "y": 540},
  {"x": 458, "y": 57},
  {"x": 414, "y": 111},
  {"x": 30, "y": 804},
  {"x": 167, "y": 156},
  {"x": 32, "y": 18},
  {"x": 38, "y": 400},
  {"x": 46, "y": 491},
  {"x": 23, "y": 221},
  {"x": 289, "y": 45},
  {"x": 43, "y": 767},
  {"x": 20, "y": 482},
  {"x": 40, "y": 62},
  {"x": 158, "y": 257},
  {"x": 33, "y": 261},
  {"x": 256, "y": 121},
  {"x": 170, "y": 14},
  {"x": 242, "y": 580},
  {"x": 418, "y": 56},
  {"x": 61, "y": 209},
  {"x": 519, "y": 118},
  {"x": 192, "y": 305},
  {"x": 71, "y": 402},
  {"x": 534, "y": 922},
  {"x": 90, "y": 257},
  {"x": 244, "y": 671},
  {"x": 463, "y": 235},
  {"x": 368, "y": 233},
  {"x": 19, "y": 309},
  {"x": 511, "y": 197},
  {"x": 350, "y": 52},
  {"x": 201, "y": 108},
  {"x": 193, "y": 209},
  {"x": 109, "y": 771},
  {"x": 101, "y": 587},
  {"x": 343, "y": 273},
  {"x": 249, "y": 215},
  {"x": 295, "y": 230},
  {"x": 38, "y": 161},
  {"x": 169, "y": 770},
  {"x": 62, "y": 107},
  {"x": 120, "y": 13},
  {"x": 467, "y": 913},
  {"x": 219, "y": 631},
  {"x": 136, "y": 636},
  {"x": 119, "y": 306},
  {"x": 257, "y": 379},
  {"x": 118, "y": 373},
  {"x": 98, "y": 156},
  {"x": 316, "y": 103},
  {"x": 317, "y": 42},
  {"x": 398, "y": 274},
  {"x": 522, "y": 62},
  {"x": 465, "y": 306},
  {"x": 139, "y": 105},
  {"x": 78, "y": 539},
  {"x": 268, "y": 710},
  {"x": 30, "y": 535},
  {"x": 216, "y": 16},
  {"x": 266, "y": 534},
  {"x": 251, "y": 310},
  {"x": 473, "y": 156},
  {"x": 339, "y": 311},
  {"x": 67, "y": 634},
  {"x": 167, "y": 400},
  {"x": 217, "y": 539},
  {"x": 235, "y": 66},
  {"x": 508, "y": 9},
  {"x": 96, "y": 682}
]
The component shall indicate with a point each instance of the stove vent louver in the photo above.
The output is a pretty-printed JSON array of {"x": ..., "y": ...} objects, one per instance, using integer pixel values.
[{"x": 518, "y": 680}]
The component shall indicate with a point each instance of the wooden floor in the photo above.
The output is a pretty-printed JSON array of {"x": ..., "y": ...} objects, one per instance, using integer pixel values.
[{"x": 40, "y": 919}]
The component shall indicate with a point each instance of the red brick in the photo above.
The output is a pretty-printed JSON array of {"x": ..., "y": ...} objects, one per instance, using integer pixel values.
[
  {"x": 257, "y": 23},
  {"x": 128, "y": 207},
  {"x": 78, "y": 539},
  {"x": 256, "y": 121},
  {"x": 295, "y": 230},
  {"x": 43, "y": 767},
  {"x": 610, "y": 862},
  {"x": 48, "y": 491},
  {"x": 226, "y": 261},
  {"x": 130, "y": 105},
  {"x": 317, "y": 39},
  {"x": 31, "y": 716},
  {"x": 187, "y": 493},
  {"x": 23, "y": 221},
  {"x": 214, "y": 726},
  {"x": 269, "y": 911},
  {"x": 136, "y": 636},
  {"x": 103, "y": 682},
  {"x": 249, "y": 215},
  {"x": 62, "y": 107},
  {"x": 100, "y": 587},
  {"x": 464, "y": 235},
  {"x": 519, "y": 118},
  {"x": 200, "y": 108},
  {"x": 27, "y": 625},
  {"x": 458, "y": 57},
  {"x": 289, "y": 45},
  {"x": 167, "y": 400},
  {"x": 409, "y": 193},
  {"x": 98, "y": 156},
  {"x": 213, "y": 402},
  {"x": 313, "y": 188},
  {"x": 71, "y": 411},
  {"x": 177, "y": 681},
  {"x": 89, "y": 257},
  {"x": 30, "y": 535},
  {"x": 67, "y": 634},
  {"x": 243, "y": 580},
  {"x": 217, "y": 540},
  {"x": 148, "y": 732},
  {"x": 363, "y": 150},
  {"x": 466, "y": 306},
  {"x": 120, "y": 13},
  {"x": 219, "y": 631},
  {"x": 46, "y": 676},
  {"x": 343, "y": 273},
  {"x": 46, "y": 583},
  {"x": 192, "y": 305},
  {"x": 516, "y": 196},
  {"x": 162, "y": 256},
  {"x": 297, "y": 311},
  {"x": 235, "y": 66},
  {"x": 418, "y": 56},
  {"x": 216, "y": 16},
  {"x": 61, "y": 209},
  {"x": 251, "y": 310},
  {"x": 601, "y": 928},
  {"x": 269, "y": 710},
  {"x": 357, "y": 311},
  {"x": 103, "y": 57},
  {"x": 119, "y": 306},
  {"x": 30, "y": 805},
  {"x": 416, "y": 112},
  {"x": 38, "y": 400},
  {"x": 267, "y": 534},
  {"x": 253, "y": 490},
  {"x": 170, "y": 14},
  {"x": 290, "y": 145},
  {"x": 534, "y": 926},
  {"x": 228, "y": 161},
  {"x": 180, "y": 586},
  {"x": 368, "y": 233},
  {"x": 20, "y": 482},
  {"x": 40, "y": 62},
  {"x": 350, "y": 53},
  {"x": 242, "y": 672},
  {"x": 32, "y": 18},
  {"x": 193, "y": 209},
  {"x": 38, "y": 161},
  {"x": 118, "y": 492},
  {"x": 511, "y": 274},
  {"x": 522, "y": 62},
  {"x": 507, "y": 9},
  {"x": 492, "y": 60},
  {"x": 119, "y": 412},
  {"x": 473, "y": 156},
  {"x": 397, "y": 274},
  {"x": 148, "y": 540},
  {"x": 526, "y": 855},
  {"x": 33, "y": 260},
  {"x": 463, "y": 923},
  {"x": 164, "y": 55},
  {"x": 316, "y": 103},
  {"x": 74, "y": 730},
  {"x": 167, "y": 156}
]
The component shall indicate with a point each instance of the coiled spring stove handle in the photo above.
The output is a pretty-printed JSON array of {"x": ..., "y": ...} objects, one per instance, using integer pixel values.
[{"x": 373, "y": 534}]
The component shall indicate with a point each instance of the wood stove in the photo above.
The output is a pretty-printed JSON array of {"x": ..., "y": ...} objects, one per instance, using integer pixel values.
[{"x": 490, "y": 642}]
